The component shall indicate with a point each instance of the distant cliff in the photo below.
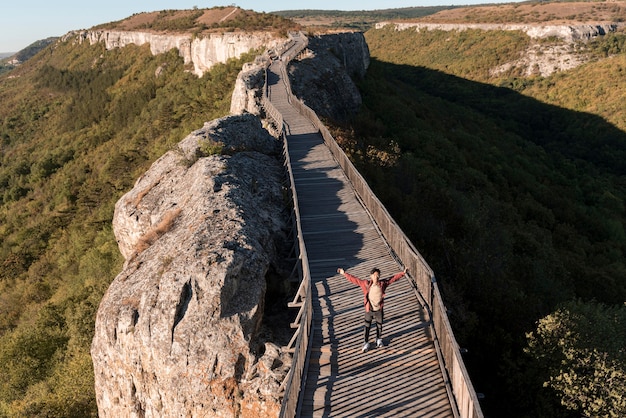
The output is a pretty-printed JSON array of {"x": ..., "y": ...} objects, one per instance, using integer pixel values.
[
  {"x": 569, "y": 33},
  {"x": 203, "y": 52},
  {"x": 551, "y": 48}
]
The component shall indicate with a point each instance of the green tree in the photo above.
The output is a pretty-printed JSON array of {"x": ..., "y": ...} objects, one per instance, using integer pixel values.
[{"x": 582, "y": 344}]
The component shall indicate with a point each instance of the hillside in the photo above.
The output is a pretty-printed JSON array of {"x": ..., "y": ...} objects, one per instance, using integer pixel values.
[
  {"x": 513, "y": 187},
  {"x": 523, "y": 12},
  {"x": 511, "y": 184},
  {"x": 78, "y": 125},
  {"x": 202, "y": 21},
  {"x": 10, "y": 61},
  {"x": 324, "y": 20},
  {"x": 553, "y": 13}
]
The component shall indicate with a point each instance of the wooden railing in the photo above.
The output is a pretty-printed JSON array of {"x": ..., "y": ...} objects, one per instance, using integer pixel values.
[
  {"x": 299, "y": 344},
  {"x": 463, "y": 392},
  {"x": 463, "y": 395}
]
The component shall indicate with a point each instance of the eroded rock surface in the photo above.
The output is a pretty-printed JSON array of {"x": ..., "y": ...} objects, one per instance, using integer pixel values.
[
  {"x": 178, "y": 331},
  {"x": 561, "y": 51},
  {"x": 203, "y": 52},
  {"x": 323, "y": 76}
]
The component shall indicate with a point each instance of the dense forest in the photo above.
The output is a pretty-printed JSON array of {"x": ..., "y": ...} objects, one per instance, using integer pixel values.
[
  {"x": 513, "y": 188},
  {"x": 78, "y": 126}
]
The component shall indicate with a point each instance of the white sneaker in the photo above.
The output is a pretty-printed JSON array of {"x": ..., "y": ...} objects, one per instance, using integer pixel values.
[
  {"x": 366, "y": 347},
  {"x": 379, "y": 343}
]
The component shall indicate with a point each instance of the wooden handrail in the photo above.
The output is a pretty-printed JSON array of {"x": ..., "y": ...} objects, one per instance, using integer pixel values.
[
  {"x": 292, "y": 385},
  {"x": 465, "y": 397}
]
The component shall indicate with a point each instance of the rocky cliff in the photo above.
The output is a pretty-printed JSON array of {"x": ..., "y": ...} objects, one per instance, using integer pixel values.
[
  {"x": 322, "y": 77},
  {"x": 179, "y": 331},
  {"x": 540, "y": 57},
  {"x": 248, "y": 91},
  {"x": 184, "y": 329},
  {"x": 203, "y": 52},
  {"x": 569, "y": 33}
]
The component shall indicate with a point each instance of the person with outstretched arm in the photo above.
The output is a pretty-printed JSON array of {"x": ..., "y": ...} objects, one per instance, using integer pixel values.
[{"x": 374, "y": 295}]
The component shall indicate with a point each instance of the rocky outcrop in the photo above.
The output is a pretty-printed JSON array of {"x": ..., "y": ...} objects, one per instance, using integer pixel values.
[
  {"x": 202, "y": 51},
  {"x": 248, "y": 90},
  {"x": 322, "y": 76},
  {"x": 540, "y": 57},
  {"x": 184, "y": 329},
  {"x": 568, "y": 33},
  {"x": 179, "y": 331}
]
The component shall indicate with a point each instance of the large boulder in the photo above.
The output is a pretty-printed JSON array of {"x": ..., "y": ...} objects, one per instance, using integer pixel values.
[
  {"x": 248, "y": 91},
  {"x": 177, "y": 333},
  {"x": 323, "y": 76}
]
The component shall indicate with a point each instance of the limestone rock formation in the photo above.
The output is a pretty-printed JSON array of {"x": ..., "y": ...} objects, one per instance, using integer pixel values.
[
  {"x": 322, "y": 77},
  {"x": 248, "y": 90},
  {"x": 539, "y": 58},
  {"x": 203, "y": 52},
  {"x": 178, "y": 331},
  {"x": 568, "y": 33},
  {"x": 183, "y": 330}
]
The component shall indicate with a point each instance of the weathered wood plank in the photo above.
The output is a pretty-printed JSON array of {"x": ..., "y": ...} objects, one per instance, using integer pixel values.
[{"x": 404, "y": 377}]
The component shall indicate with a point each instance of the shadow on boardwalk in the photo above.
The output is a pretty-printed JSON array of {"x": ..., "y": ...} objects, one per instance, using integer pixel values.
[{"x": 402, "y": 379}]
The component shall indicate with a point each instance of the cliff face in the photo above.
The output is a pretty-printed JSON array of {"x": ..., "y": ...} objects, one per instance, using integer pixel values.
[
  {"x": 183, "y": 330},
  {"x": 540, "y": 57},
  {"x": 178, "y": 331},
  {"x": 202, "y": 52},
  {"x": 322, "y": 76},
  {"x": 248, "y": 89},
  {"x": 569, "y": 33}
]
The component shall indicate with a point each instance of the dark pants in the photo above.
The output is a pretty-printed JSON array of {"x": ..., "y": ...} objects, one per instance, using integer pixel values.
[{"x": 377, "y": 316}]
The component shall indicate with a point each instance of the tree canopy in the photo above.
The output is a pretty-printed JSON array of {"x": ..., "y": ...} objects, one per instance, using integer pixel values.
[
  {"x": 78, "y": 125},
  {"x": 582, "y": 345},
  {"x": 512, "y": 188}
]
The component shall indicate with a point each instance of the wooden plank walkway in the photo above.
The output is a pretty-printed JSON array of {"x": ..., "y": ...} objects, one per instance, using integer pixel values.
[{"x": 402, "y": 379}]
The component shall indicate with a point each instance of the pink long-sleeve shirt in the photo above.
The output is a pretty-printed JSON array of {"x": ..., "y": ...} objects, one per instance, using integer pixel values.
[{"x": 365, "y": 286}]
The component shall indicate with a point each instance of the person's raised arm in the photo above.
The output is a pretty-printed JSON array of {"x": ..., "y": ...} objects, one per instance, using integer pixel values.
[
  {"x": 348, "y": 276},
  {"x": 397, "y": 276}
]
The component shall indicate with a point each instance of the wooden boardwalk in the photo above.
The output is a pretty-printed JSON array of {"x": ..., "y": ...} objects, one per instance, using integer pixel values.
[{"x": 402, "y": 379}]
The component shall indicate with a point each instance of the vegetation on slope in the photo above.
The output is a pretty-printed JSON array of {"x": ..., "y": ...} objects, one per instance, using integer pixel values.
[
  {"x": 202, "y": 21},
  {"x": 528, "y": 12},
  {"x": 6, "y": 64},
  {"x": 355, "y": 19},
  {"x": 78, "y": 125},
  {"x": 516, "y": 199},
  {"x": 531, "y": 12}
]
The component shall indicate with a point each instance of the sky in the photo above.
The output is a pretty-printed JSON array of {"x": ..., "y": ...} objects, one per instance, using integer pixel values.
[{"x": 23, "y": 22}]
